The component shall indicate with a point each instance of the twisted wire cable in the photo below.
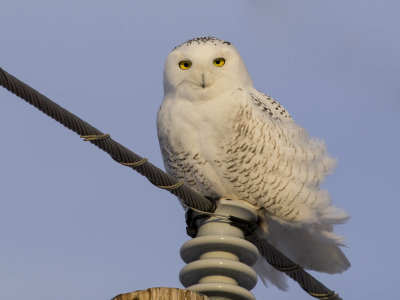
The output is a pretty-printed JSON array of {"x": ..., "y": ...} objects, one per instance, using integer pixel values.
[
  {"x": 157, "y": 177},
  {"x": 103, "y": 141},
  {"x": 282, "y": 263}
]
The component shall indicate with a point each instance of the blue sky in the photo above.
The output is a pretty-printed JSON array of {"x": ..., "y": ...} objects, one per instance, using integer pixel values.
[{"x": 76, "y": 225}]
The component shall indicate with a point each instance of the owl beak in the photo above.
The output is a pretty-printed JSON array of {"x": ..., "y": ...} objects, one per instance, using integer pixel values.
[{"x": 203, "y": 81}]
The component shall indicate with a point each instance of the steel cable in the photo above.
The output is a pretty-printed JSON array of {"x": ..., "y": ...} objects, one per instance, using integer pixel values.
[
  {"x": 282, "y": 263},
  {"x": 117, "y": 152},
  {"x": 156, "y": 176}
]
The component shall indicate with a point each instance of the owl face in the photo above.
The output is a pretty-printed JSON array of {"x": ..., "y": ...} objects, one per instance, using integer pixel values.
[{"x": 203, "y": 68}]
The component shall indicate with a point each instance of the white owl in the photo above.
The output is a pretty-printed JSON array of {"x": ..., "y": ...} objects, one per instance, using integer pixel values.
[{"x": 224, "y": 138}]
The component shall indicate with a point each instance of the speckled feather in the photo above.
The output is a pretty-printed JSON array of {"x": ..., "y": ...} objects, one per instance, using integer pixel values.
[{"x": 226, "y": 139}]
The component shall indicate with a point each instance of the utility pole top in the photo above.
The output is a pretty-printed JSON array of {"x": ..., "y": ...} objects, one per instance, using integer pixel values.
[{"x": 162, "y": 293}]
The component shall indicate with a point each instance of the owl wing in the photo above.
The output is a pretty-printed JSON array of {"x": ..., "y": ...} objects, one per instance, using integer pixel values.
[{"x": 272, "y": 163}]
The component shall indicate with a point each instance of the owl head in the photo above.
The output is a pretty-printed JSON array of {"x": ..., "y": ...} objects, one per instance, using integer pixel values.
[{"x": 203, "y": 68}]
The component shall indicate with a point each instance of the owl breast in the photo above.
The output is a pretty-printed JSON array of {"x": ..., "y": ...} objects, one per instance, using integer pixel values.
[{"x": 192, "y": 138}]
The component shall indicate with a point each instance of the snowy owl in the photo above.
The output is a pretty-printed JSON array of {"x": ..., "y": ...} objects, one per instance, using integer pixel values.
[{"x": 224, "y": 138}]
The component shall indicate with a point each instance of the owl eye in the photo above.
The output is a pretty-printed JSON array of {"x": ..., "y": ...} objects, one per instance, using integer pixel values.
[
  {"x": 219, "y": 62},
  {"x": 185, "y": 64}
]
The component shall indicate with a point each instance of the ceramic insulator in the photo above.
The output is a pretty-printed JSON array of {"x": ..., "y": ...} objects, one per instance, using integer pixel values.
[{"x": 219, "y": 258}]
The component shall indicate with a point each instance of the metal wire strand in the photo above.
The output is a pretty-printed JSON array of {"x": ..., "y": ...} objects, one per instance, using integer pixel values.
[
  {"x": 117, "y": 152},
  {"x": 282, "y": 263}
]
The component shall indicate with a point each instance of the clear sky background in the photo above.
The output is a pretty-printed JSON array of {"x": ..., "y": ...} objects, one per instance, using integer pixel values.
[{"x": 76, "y": 225}]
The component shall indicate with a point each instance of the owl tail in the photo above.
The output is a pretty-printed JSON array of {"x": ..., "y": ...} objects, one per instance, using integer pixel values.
[
  {"x": 314, "y": 247},
  {"x": 268, "y": 274}
]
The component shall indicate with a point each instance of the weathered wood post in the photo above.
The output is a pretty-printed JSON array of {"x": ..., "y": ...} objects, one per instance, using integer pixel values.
[{"x": 162, "y": 293}]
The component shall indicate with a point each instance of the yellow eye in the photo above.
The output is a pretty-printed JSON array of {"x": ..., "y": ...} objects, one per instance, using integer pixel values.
[
  {"x": 185, "y": 64},
  {"x": 219, "y": 62}
]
